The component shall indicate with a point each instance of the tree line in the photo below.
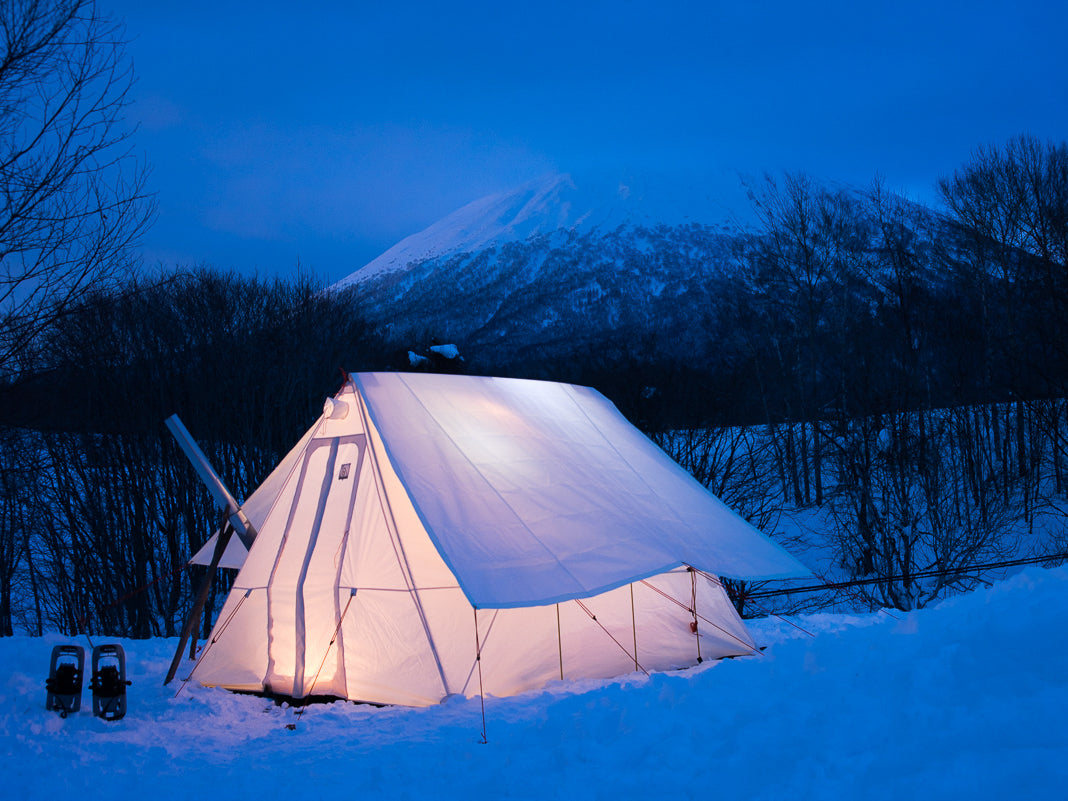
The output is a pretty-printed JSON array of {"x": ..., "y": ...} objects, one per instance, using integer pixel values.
[
  {"x": 101, "y": 511},
  {"x": 908, "y": 368},
  {"x": 899, "y": 371}
]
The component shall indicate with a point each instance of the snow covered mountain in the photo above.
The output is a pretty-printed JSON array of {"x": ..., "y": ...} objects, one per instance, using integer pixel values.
[
  {"x": 567, "y": 266},
  {"x": 564, "y": 203},
  {"x": 561, "y": 261}
]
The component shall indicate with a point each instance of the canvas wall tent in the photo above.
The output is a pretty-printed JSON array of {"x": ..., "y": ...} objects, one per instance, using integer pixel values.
[{"x": 426, "y": 520}]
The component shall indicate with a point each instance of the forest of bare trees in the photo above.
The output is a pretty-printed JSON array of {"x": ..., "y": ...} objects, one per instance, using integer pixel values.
[
  {"x": 911, "y": 367},
  {"x": 897, "y": 373},
  {"x": 891, "y": 376},
  {"x": 103, "y": 510}
]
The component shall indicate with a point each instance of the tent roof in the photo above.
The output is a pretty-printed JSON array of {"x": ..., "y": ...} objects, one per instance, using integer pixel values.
[{"x": 536, "y": 492}]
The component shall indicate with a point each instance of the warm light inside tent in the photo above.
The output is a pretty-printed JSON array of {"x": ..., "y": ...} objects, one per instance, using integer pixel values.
[{"x": 535, "y": 503}]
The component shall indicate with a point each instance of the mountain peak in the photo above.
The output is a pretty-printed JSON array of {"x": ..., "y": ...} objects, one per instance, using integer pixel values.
[{"x": 561, "y": 201}]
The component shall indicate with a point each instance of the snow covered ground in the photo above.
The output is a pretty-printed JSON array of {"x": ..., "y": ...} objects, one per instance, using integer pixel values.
[{"x": 966, "y": 700}]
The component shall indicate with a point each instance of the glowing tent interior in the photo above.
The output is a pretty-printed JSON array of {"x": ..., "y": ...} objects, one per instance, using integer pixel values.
[{"x": 433, "y": 535}]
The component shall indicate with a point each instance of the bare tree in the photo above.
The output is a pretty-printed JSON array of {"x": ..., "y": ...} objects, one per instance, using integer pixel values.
[
  {"x": 810, "y": 239},
  {"x": 914, "y": 506},
  {"x": 72, "y": 193},
  {"x": 1012, "y": 200}
]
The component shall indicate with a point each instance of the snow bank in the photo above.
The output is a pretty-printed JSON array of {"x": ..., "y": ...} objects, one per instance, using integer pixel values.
[{"x": 963, "y": 700}]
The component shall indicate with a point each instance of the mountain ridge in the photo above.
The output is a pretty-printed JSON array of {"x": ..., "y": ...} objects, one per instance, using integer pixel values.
[
  {"x": 614, "y": 270},
  {"x": 564, "y": 202}
]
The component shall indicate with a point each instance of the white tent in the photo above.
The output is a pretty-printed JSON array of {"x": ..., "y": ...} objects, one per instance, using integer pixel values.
[{"x": 434, "y": 535}]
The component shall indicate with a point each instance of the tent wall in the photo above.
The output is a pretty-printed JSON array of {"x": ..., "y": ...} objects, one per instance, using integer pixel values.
[{"x": 344, "y": 593}]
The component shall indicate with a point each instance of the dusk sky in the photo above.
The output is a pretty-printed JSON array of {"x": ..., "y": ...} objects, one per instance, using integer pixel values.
[{"x": 326, "y": 132}]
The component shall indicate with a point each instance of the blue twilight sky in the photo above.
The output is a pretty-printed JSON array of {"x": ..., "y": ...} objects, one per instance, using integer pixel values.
[{"x": 326, "y": 132}]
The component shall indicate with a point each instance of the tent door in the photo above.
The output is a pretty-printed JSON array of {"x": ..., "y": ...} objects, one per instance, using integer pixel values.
[{"x": 303, "y": 601}]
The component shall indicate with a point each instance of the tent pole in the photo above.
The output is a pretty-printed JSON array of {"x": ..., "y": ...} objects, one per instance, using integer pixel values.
[
  {"x": 193, "y": 638},
  {"x": 202, "y": 596},
  {"x": 560, "y": 642},
  {"x": 634, "y": 626},
  {"x": 693, "y": 608},
  {"x": 478, "y": 661}
]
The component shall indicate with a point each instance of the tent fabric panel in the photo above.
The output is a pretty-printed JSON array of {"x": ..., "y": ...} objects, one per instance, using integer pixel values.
[
  {"x": 258, "y": 505},
  {"x": 387, "y": 657},
  {"x": 235, "y": 655},
  {"x": 522, "y": 648},
  {"x": 711, "y": 536},
  {"x": 233, "y": 557},
  {"x": 451, "y": 621},
  {"x": 552, "y": 484},
  {"x": 519, "y": 650},
  {"x": 369, "y": 559},
  {"x": 723, "y": 633},
  {"x": 262, "y": 500},
  {"x": 260, "y": 561},
  {"x": 665, "y": 639},
  {"x": 598, "y": 648},
  {"x": 324, "y": 669},
  {"x": 422, "y": 560}
]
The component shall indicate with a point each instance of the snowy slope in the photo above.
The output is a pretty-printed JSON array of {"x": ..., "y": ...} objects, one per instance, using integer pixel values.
[
  {"x": 562, "y": 263},
  {"x": 564, "y": 203},
  {"x": 965, "y": 700},
  {"x": 572, "y": 265}
]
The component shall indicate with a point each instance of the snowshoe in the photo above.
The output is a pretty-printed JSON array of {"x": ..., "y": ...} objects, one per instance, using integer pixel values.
[
  {"x": 109, "y": 682},
  {"x": 64, "y": 682}
]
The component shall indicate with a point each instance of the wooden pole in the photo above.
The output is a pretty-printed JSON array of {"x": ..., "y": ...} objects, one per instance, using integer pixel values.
[{"x": 202, "y": 596}]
